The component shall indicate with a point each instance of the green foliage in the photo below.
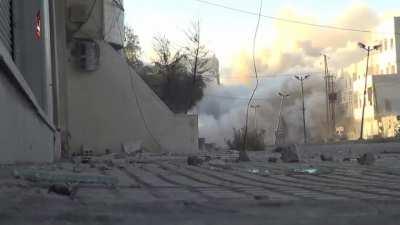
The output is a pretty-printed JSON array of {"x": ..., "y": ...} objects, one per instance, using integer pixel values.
[{"x": 255, "y": 140}]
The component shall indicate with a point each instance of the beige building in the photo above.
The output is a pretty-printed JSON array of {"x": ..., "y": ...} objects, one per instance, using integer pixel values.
[{"x": 382, "y": 107}]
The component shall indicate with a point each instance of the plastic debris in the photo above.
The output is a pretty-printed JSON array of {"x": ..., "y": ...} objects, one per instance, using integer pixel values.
[{"x": 310, "y": 171}]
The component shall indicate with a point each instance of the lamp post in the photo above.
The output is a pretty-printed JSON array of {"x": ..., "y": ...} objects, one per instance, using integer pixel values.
[
  {"x": 278, "y": 124},
  {"x": 255, "y": 107},
  {"x": 302, "y": 79},
  {"x": 368, "y": 49}
]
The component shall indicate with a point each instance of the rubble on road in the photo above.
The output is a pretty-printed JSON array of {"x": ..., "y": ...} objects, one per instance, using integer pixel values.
[
  {"x": 367, "y": 159},
  {"x": 272, "y": 159},
  {"x": 218, "y": 163},
  {"x": 325, "y": 158},
  {"x": 288, "y": 154},
  {"x": 63, "y": 189},
  {"x": 194, "y": 161}
]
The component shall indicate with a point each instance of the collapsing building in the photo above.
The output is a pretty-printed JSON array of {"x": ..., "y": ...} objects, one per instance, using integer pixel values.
[
  {"x": 65, "y": 85},
  {"x": 382, "y": 107}
]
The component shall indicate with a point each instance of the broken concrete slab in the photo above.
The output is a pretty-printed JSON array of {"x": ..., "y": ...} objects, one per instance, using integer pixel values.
[
  {"x": 289, "y": 154},
  {"x": 326, "y": 158},
  {"x": 367, "y": 159},
  {"x": 132, "y": 148},
  {"x": 194, "y": 161}
]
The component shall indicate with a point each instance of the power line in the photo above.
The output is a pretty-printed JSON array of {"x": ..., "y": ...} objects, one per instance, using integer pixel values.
[
  {"x": 350, "y": 29},
  {"x": 243, "y": 155}
]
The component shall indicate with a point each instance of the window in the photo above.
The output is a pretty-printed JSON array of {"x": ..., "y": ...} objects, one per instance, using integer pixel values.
[
  {"x": 393, "y": 69},
  {"x": 391, "y": 43}
]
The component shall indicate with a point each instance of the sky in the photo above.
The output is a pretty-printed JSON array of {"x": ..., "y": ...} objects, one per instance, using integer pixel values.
[
  {"x": 282, "y": 49},
  {"x": 226, "y": 32}
]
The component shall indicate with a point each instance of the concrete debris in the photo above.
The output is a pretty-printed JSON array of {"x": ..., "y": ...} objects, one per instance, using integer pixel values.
[
  {"x": 87, "y": 154},
  {"x": 325, "y": 158},
  {"x": 367, "y": 159},
  {"x": 133, "y": 148},
  {"x": 219, "y": 164},
  {"x": 194, "y": 161},
  {"x": 62, "y": 189},
  {"x": 289, "y": 154},
  {"x": 207, "y": 158},
  {"x": 272, "y": 159}
]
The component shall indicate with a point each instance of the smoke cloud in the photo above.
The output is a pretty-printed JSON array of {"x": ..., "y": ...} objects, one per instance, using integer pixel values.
[{"x": 294, "y": 49}]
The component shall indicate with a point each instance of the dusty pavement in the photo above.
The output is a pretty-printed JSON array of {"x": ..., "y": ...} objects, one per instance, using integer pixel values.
[{"x": 163, "y": 189}]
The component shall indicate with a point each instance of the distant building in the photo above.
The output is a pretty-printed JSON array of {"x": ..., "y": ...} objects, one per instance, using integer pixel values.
[{"x": 381, "y": 104}]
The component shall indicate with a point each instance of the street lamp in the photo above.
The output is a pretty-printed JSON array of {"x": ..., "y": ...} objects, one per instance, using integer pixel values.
[
  {"x": 368, "y": 49},
  {"x": 255, "y": 107},
  {"x": 302, "y": 78},
  {"x": 278, "y": 124}
]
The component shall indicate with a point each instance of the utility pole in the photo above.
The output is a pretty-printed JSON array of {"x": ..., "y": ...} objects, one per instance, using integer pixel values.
[
  {"x": 302, "y": 79},
  {"x": 331, "y": 98},
  {"x": 368, "y": 49},
  {"x": 255, "y": 107},
  {"x": 278, "y": 124}
]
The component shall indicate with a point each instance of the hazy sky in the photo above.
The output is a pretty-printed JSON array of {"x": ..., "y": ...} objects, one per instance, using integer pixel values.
[{"x": 229, "y": 34}]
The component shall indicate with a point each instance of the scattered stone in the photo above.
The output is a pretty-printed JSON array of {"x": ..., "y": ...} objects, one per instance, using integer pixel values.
[
  {"x": 219, "y": 164},
  {"x": 325, "y": 158},
  {"x": 261, "y": 197},
  {"x": 272, "y": 159},
  {"x": 367, "y": 159},
  {"x": 132, "y": 148},
  {"x": 194, "y": 161},
  {"x": 63, "y": 190},
  {"x": 289, "y": 154}
]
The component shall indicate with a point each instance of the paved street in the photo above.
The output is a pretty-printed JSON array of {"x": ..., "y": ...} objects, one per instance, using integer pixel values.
[{"x": 171, "y": 191}]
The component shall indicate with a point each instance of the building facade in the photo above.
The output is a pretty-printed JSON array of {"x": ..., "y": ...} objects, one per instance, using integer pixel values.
[
  {"x": 65, "y": 85},
  {"x": 383, "y": 67}
]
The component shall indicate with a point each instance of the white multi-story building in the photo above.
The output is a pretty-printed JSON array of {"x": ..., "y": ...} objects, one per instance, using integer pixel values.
[{"x": 381, "y": 109}]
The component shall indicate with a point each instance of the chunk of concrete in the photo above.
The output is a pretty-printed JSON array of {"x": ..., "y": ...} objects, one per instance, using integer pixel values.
[
  {"x": 325, "y": 158},
  {"x": 272, "y": 159},
  {"x": 289, "y": 154},
  {"x": 132, "y": 147},
  {"x": 194, "y": 161},
  {"x": 367, "y": 159}
]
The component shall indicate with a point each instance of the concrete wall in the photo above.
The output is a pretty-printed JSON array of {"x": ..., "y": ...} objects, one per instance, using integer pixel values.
[
  {"x": 26, "y": 135},
  {"x": 112, "y": 106},
  {"x": 32, "y": 54}
]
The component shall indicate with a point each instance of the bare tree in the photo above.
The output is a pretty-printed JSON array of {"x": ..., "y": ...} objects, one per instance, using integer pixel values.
[
  {"x": 132, "y": 47},
  {"x": 166, "y": 62},
  {"x": 197, "y": 55}
]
